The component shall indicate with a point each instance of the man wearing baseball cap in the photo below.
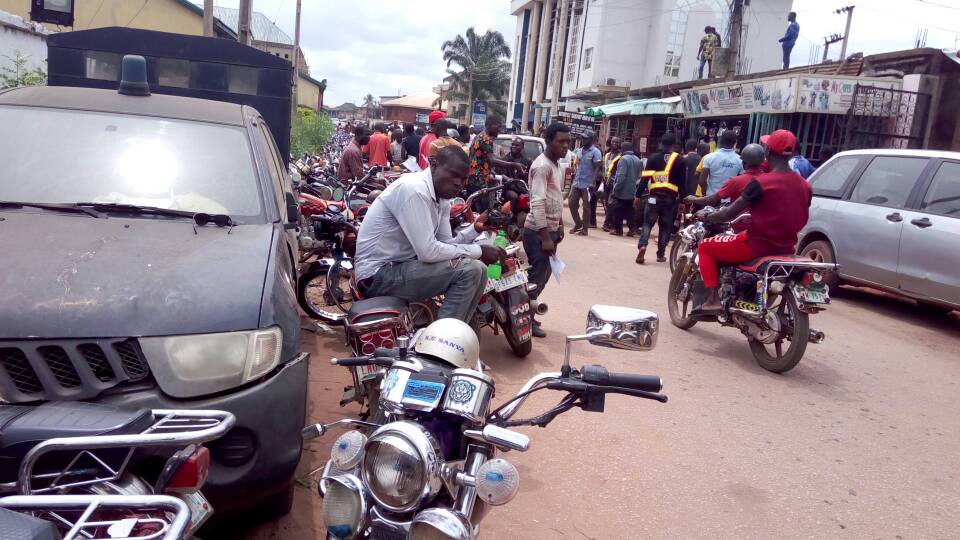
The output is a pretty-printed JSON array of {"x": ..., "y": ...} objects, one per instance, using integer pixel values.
[
  {"x": 779, "y": 204},
  {"x": 424, "y": 158}
]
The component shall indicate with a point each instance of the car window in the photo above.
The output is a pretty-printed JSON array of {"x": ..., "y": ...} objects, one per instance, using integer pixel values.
[
  {"x": 830, "y": 179},
  {"x": 888, "y": 180},
  {"x": 275, "y": 165},
  {"x": 943, "y": 197},
  {"x": 66, "y": 156},
  {"x": 531, "y": 149}
]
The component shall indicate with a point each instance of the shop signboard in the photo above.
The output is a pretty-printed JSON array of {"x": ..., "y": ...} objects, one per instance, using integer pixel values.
[
  {"x": 479, "y": 116},
  {"x": 579, "y": 123},
  {"x": 796, "y": 93},
  {"x": 421, "y": 118}
]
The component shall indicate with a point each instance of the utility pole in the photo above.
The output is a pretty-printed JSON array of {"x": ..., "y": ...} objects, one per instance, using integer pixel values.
[
  {"x": 296, "y": 60},
  {"x": 736, "y": 29},
  {"x": 208, "y": 18},
  {"x": 243, "y": 22},
  {"x": 846, "y": 33},
  {"x": 829, "y": 40}
]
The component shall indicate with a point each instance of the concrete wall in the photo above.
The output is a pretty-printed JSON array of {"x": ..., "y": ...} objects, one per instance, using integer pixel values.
[
  {"x": 161, "y": 15},
  {"x": 17, "y": 35},
  {"x": 308, "y": 94}
]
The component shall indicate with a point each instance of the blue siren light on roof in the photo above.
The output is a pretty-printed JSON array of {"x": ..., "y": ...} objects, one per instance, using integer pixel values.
[{"x": 133, "y": 76}]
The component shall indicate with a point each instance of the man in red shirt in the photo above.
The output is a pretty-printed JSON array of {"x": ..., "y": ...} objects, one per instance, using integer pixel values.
[
  {"x": 753, "y": 159},
  {"x": 423, "y": 160},
  {"x": 779, "y": 204},
  {"x": 379, "y": 145}
]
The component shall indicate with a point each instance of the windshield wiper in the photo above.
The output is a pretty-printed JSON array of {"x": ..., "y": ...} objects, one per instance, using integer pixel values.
[
  {"x": 121, "y": 208},
  {"x": 71, "y": 208}
]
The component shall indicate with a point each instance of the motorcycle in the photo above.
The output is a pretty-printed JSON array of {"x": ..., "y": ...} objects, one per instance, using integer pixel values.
[
  {"x": 768, "y": 299},
  {"x": 323, "y": 288},
  {"x": 433, "y": 467},
  {"x": 83, "y": 449}
]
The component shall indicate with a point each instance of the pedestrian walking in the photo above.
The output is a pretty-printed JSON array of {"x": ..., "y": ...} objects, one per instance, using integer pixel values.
[
  {"x": 543, "y": 228},
  {"x": 659, "y": 189},
  {"x": 624, "y": 189},
  {"x": 789, "y": 38},
  {"x": 722, "y": 165},
  {"x": 708, "y": 43},
  {"x": 584, "y": 183}
]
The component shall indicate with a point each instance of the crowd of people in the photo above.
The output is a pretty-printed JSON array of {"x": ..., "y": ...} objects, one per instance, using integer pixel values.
[{"x": 406, "y": 247}]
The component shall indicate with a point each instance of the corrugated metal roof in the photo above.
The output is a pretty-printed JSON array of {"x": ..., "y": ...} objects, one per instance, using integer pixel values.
[
  {"x": 262, "y": 28},
  {"x": 636, "y": 107},
  {"x": 420, "y": 101}
]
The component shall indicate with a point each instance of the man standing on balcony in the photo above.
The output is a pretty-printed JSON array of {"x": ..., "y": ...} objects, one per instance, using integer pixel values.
[{"x": 789, "y": 39}]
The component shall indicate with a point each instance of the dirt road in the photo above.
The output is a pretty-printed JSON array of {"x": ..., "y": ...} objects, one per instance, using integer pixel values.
[{"x": 861, "y": 440}]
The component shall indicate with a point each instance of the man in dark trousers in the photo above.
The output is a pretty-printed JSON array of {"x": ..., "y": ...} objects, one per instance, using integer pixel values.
[
  {"x": 789, "y": 38},
  {"x": 624, "y": 188},
  {"x": 660, "y": 185}
]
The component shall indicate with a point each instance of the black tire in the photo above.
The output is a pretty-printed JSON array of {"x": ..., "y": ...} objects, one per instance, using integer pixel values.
[
  {"x": 313, "y": 299},
  {"x": 678, "y": 248},
  {"x": 338, "y": 281},
  {"x": 797, "y": 329},
  {"x": 680, "y": 313},
  {"x": 518, "y": 348},
  {"x": 822, "y": 251}
]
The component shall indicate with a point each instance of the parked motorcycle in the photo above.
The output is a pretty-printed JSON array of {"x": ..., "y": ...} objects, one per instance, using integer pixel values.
[
  {"x": 768, "y": 299},
  {"x": 434, "y": 467},
  {"x": 75, "y": 448}
]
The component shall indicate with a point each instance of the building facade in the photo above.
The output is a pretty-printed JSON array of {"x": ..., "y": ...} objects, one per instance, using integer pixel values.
[{"x": 572, "y": 54}]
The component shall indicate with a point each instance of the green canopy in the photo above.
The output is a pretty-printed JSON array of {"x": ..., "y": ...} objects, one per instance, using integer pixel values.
[{"x": 636, "y": 107}]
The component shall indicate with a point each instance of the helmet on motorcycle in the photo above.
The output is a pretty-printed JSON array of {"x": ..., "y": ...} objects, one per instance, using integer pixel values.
[
  {"x": 452, "y": 341},
  {"x": 752, "y": 155}
]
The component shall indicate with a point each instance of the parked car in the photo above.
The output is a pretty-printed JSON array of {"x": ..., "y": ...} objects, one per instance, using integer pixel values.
[
  {"x": 149, "y": 262},
  {"x": 532, "y": 148},
  {"x": 891, "y": 218}
]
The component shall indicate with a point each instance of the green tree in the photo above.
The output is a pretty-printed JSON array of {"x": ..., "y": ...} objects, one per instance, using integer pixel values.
[
  {"x": 19, "y": 74},
  {"x": 484, "y": 72},
  {"x": 310, "y": 131},
  {"x": 370, "y": 103}
]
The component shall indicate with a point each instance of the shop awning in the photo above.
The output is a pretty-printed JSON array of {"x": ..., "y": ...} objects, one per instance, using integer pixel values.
[{"x": 635, "y": 107}]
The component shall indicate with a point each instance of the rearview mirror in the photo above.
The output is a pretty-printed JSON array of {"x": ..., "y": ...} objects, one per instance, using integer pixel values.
[
  {"x": 622, "y": 328},
  {"x": 338, "y": 194}
]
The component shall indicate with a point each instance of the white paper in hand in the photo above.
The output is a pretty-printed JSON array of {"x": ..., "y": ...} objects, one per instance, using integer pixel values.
[
  {"x": 556, "y": 266},
  {"x": 411, "y": 164}
]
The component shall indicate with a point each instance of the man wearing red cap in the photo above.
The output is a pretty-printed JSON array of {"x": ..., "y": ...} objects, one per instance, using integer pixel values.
[
  {"x": 424, "y": 158},
  {"x": 779, "y": 204}
]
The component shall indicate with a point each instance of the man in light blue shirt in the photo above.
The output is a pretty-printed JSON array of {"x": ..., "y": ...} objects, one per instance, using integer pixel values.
[
  {"x": 722, "y": 165},
  {"x": 584, "y": 183}
]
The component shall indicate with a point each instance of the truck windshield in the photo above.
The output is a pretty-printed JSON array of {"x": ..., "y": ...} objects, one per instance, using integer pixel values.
[{"x": 67, "y": 156}]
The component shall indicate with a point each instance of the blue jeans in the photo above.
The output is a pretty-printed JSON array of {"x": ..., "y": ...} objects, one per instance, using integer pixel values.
[
  {"x": 786, "y": 56},
  {"x": 539, "y": 261},
  {"x": 460, "y": 281},
  {"x": 709, "y": 68}
]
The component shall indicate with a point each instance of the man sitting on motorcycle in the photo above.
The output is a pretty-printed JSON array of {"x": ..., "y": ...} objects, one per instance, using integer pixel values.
[
  {"x": 405, "y": 247},
  {"x": 779, "y": 204}
]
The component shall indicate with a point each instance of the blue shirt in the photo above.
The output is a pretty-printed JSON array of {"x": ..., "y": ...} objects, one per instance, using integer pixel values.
[
  {"x": 724, "y": 164},
  {"x": 801, "y": 166},
  {"x": 790, "y": 37},
  {"x": 587, "y": 170}
]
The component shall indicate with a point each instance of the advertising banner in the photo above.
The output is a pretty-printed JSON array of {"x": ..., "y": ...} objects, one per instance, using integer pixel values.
[
  {"x": 579, "y": 123},
  {"x": 824, "y": 94},
  {"x": 479, "y": 116}
]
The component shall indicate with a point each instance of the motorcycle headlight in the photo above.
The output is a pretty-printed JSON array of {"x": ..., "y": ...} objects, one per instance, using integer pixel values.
[
  {"x": 401, "y": 465},
  {"x": 199, "y": 364},
  {"x": 344, "y": 507},
  {"x": 439, "y": 524}
]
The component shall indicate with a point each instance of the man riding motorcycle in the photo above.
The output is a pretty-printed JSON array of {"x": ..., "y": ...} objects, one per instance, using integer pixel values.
[
  {"x": 405, "y": 247},
  {"x": 779, "y": 204}
]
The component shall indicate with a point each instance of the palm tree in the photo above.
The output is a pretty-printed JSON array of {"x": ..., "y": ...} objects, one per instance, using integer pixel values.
[
  {"x": 370, "y": 103},
  {"x": 484, "y": 69}
]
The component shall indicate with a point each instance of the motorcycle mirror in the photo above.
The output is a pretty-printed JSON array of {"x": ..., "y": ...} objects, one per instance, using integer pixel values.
[
  {"x": 338, "y": 194},
  {"x": 622, "y": 328}
]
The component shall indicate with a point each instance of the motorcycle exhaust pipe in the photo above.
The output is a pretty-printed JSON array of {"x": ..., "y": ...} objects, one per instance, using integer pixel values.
[
  {"x": 540, "y": 308},
  {"x": 816, "y": 336}
]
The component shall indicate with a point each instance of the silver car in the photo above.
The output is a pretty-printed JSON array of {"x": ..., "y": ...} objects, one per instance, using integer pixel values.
[{"x": 891, "y": 218}]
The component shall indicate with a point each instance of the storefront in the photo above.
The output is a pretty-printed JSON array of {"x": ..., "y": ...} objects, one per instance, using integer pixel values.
[
  {"x": 813, "y": 106},
  {"x": 640, "y": 121}
]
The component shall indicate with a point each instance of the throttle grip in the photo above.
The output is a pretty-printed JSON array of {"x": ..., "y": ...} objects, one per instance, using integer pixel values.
[
  {"x": 596, "y": 374},
  {"x": 351, "y": 362}
]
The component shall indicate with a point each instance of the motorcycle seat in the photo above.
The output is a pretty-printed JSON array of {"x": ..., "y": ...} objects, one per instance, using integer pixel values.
[
  {"x": 22, "y": 427},
  {"x": 375, "y": 309},
  {"x": 17, "y": 526},
  {"x": 759, "y": 265}
]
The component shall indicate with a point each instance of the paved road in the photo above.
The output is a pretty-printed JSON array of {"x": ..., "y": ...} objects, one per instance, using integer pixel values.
[{"x": 861, "y": 440}]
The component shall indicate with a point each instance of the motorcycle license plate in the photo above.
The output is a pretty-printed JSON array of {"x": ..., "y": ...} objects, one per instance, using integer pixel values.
[
  {"x": 811, "y": 295},
  {"x": 517, "y": 278},
  {"x": 200, "y": 508},
  {"x": 367, "y": 372}
]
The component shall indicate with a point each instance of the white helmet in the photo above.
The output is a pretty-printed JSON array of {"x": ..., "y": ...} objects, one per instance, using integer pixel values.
[{"x": 452, "y": 341}]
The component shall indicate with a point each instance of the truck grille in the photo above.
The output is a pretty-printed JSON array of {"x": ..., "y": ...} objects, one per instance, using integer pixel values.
[{"x": 34, "y": 370}]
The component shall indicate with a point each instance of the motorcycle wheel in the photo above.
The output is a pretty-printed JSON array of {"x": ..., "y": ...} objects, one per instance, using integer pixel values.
[
  {"x": 680, "y": 309},
  {"x": 795, "y": 326},
  {"x": 338, "y": 283},
  {"x": 423, "y": 313},
  {"x": 678, "y": 248},
  {"x": 518, "y": 348},
  {"x": 314, "y": 300}
]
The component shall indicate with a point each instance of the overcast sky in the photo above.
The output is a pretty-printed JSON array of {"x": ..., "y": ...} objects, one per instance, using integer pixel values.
[{"x": 386, "y": 46}]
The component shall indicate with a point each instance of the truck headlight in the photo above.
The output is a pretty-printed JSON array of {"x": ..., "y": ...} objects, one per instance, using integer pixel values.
[{"x": 200, "y": 364}]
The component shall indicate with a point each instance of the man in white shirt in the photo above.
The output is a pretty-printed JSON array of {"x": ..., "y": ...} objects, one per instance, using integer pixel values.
[{"x": 405, "y": 247}]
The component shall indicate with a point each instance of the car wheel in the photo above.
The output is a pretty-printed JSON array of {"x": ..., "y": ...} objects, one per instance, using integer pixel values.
[{"x": 822, "y": 251}]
